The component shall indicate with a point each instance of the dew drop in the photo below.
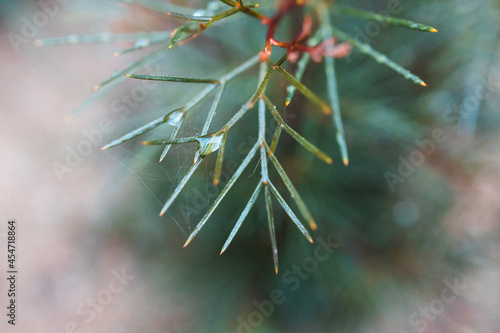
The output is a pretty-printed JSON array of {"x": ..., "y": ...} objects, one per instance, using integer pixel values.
[
  {"x": 208, "y": 144},
  {"x": 106, "y": 36},
  {"x": 175, "y": 117},
  {"x": 73, "y": 38},
  {"x": 143, "y": 42}
]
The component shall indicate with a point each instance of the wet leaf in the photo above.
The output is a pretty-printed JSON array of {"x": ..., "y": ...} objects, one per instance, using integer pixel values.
[
  {"x": 105, "y": 37},
  {"x": 377, "y": 56},
  {"x": 331, "y": 89},
  {"x": 242, "y": 217},
  {"x": 305, "y": 91},
  {"x": 138, "y": 64},
  {"x": 220, "y": 159},
  {"x": 276, "y": 137},
  {"x": 171, "y": 78},
  {"x": 189, "y": 17},
  {"x": 301, "y": 67},
  {"x": 290, "y": 213},
  {"x": 209, "y": 144},
  {"x": 300, "y": 139},
  {"x": 293, "y": 192},
  {"x": 179, "y": 187},
  {"x": 172, "y": 118},
  {"x": 270, "y": 221},
  {"x": 382, "y": 18},
  {"x": 223, "y": 193}
]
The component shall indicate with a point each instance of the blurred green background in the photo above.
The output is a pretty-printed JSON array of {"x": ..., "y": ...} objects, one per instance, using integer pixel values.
[{"x": 402, "y": 246}]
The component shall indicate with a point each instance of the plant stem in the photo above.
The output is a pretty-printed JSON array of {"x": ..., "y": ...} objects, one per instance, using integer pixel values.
[
  {"x": 331, "y": 84},
  {"x": 262, "y": 129}
]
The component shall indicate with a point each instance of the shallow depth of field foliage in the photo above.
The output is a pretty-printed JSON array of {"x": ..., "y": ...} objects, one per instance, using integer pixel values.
[{"x": 263, "y": 129}]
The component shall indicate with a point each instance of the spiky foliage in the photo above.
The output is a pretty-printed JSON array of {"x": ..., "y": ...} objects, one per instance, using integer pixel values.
[{"x": 319, "y": 45}]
